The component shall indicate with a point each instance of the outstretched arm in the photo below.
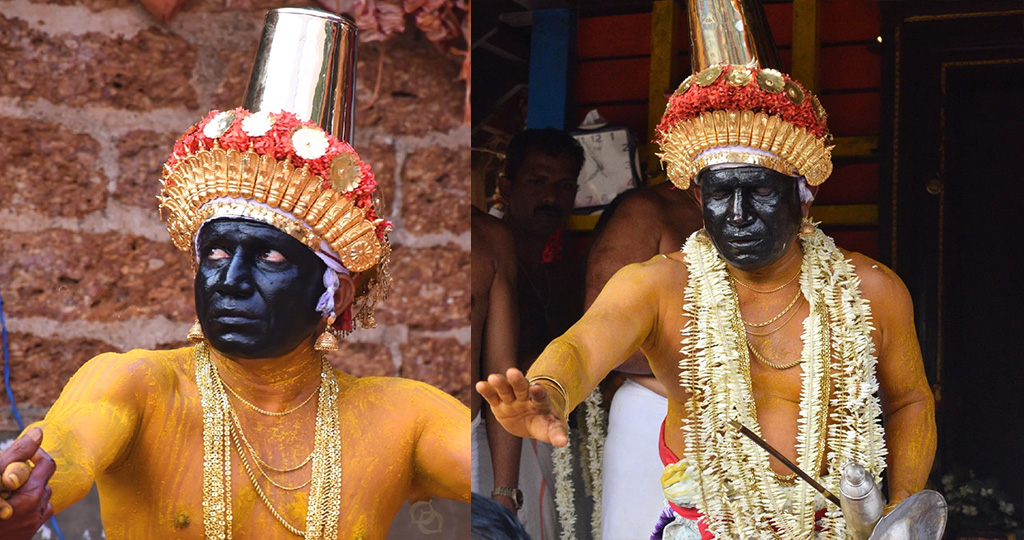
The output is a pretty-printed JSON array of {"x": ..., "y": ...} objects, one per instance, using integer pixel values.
[
  {"x": 620, "y": 321},
  {"x": 92, "y": 424},
  {"x": 632, "y": 235},
  {"x": 907, "y": 403}
]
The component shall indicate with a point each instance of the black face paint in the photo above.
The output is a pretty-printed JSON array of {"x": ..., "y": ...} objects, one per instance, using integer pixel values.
[
  {"x": 256, "y": 289},
  {"x": 751, "y": 213}
]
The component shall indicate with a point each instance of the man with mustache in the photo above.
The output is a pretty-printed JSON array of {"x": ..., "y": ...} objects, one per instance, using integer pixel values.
[
  {"x": 760, "y": 319},
  {"x": 539, "y": 186}
]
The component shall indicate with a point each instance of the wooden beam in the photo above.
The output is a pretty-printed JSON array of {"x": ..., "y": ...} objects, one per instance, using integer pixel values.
[
  {"x": 805, "y": 44},
  {"x": 552, "y": 48},
  {"x": 664, "y": 73},
  {"x": 865, "y": 146},
  {"x": 850, "y": 215}
]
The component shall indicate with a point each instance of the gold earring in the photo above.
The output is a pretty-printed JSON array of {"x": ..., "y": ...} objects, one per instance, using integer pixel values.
[
  {"x": 327, "y": 341},
  {"x": 195, "y": 334},
  {"x": 806, "y": 229}
]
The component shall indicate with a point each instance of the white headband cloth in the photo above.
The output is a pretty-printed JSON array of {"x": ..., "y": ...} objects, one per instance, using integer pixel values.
[{"x": 325, "y": 304}]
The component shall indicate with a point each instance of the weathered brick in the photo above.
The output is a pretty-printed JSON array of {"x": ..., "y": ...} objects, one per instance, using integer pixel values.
[
  {"x": 435, "y": 184},
  {"x": 67, "y": 275},
  {"x": 431, "y": 288},
  {"x": 382, "y": 159},
  {"x": 419, "y": 90},
  {"x": 443, "y": 363},
  {"x": 141, "y": 156},
  {"x": 363, "y": 359},
  {"x": 48, "y": 169},
  {"x": 233, "y": 67},
  {"x": 40, "y": 367},
  {"x": 150, "y": 69},
  {"x": 92, "y": 5}
]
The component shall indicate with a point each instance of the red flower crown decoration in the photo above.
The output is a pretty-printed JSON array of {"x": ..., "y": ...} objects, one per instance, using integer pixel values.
[
  {"x": 756, "y": 116},
  {"x": 289, "y": 173}
]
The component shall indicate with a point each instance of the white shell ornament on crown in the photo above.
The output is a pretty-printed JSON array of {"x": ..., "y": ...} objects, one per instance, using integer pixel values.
[
  {"x": 257, "y": 124},
  {"x": 219, "y": 124},
  {"x": 309, "y": 142}
]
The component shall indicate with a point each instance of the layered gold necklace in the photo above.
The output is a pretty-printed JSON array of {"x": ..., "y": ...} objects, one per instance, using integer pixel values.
[
  {"x": 741, "y": 497},
  {"x": 221, "y": 427}
]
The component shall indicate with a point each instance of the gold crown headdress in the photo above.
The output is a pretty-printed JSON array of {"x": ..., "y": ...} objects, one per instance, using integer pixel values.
[
  {"x": 736, "y": 109},
  {"x": 277, "y": 161}
]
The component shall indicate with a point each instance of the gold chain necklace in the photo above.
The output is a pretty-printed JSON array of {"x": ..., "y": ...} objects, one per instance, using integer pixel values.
[
  {"x": 266, "y": 412},
  {"x": 324, "y": 502},
  {"x": 764, "y": 361},
  {"x": 258, "y": 461},
  {"x": 792, "y": 303},
  {"x": 781, "y": 326},
  {"x": 263, "y": 496},
  {"x": 776, "y": 289}
]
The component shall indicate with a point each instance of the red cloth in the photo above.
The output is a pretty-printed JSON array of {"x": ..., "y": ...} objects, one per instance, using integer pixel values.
[{"x": 668, "y": 457}]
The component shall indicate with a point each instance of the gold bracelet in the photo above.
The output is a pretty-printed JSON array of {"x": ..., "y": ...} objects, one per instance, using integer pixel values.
[{"x": 558, "y": 386}]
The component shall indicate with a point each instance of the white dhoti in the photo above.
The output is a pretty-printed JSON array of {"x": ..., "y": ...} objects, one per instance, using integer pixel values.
[
  {"x": 536, "y": 481},
  {"x": 632, "y": 496}
]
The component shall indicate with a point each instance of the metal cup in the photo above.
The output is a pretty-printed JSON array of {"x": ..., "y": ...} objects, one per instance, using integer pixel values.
[
  {"x": 306, "y": 64},
  {"x": 861, "y": 501}
]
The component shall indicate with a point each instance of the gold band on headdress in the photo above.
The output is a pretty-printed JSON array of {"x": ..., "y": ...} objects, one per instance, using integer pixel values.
[{"x": 760, "y": 118}]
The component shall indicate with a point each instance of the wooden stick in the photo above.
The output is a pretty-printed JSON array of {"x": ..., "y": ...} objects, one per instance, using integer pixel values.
[{"x": 785, "y": 461}]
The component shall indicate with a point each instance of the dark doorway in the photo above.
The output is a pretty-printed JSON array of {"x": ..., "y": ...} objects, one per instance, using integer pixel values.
[{"x": 954, "y": 219}]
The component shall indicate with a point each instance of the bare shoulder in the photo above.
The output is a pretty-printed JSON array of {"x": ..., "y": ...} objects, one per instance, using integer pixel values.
[
  {"x": 495, "y": 232},
  {"x": 878, "y": 283},
  {"x": 644, "y": 203},
  {"x": 137, "y": 369},
  {"x": 655, "y": 274},
  {"x": 394, "y": 391}
]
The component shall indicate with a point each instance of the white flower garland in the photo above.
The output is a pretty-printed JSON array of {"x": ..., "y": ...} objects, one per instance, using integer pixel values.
[
  {"x": 595, "y": 421},
  {"x": 564, "y": 503},
  {"x": 741, "y": 497},
  {"x": 592, "y": 454}
]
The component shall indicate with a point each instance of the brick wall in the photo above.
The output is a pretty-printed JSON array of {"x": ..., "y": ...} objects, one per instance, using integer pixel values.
[{"x": 92, "y": 95}]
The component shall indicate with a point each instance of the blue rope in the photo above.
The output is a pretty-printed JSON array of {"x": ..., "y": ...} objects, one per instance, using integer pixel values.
[{"x": 10, "y": 395}]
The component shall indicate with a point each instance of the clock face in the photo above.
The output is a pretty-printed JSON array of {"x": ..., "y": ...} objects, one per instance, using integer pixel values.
[{"x": 608, "y": 169}]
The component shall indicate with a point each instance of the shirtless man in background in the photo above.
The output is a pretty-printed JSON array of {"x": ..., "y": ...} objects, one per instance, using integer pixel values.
[{"x": 495, "y": 327}]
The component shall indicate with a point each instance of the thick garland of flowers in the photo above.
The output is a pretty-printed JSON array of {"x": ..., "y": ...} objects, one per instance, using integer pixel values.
[{"x": 740, "y": 495}]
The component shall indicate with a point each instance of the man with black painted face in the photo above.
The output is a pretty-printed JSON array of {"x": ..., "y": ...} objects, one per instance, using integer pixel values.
[
  {"x": 250, "y": 432},
  {"x": 760, "y": 319},
  {"x": 252, "y": 417}
]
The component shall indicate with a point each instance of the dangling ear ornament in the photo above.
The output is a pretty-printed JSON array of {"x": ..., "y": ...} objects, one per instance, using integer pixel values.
[
  {"x": 806, "y": 229},
  {"x": 327, "y": 341},
  {"x": 195, "y": 334}
]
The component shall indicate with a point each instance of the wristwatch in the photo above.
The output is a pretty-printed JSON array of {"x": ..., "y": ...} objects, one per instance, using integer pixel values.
[{"x": 512, "y": 493}]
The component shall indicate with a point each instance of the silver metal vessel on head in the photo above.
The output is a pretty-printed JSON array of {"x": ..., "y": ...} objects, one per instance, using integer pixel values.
[
  {"x": 320, "y": 87},
  {"x": 730, "y": 32}
]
